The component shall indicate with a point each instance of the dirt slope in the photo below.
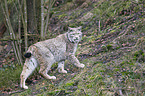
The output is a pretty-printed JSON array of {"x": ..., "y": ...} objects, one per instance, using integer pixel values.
[{"x": 112, "y": 48}]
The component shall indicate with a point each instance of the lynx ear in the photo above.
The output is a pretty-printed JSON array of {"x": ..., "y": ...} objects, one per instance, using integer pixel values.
[
  {"x": 80, "y": 27},
  {"x": 69, "y": 29}
]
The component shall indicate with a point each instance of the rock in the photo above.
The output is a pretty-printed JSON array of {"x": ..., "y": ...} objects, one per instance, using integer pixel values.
[{"x": 86, "y": 17}]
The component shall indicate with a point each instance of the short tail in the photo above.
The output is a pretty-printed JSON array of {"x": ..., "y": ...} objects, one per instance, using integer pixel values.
[{"x": 28, "y": 55}]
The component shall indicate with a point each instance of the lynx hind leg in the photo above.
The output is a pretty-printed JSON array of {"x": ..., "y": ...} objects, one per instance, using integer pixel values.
[
  {"x": 61, "y": 67},
  {"x": 43, "y": 71},
  {"x": 46, "y": 59},
  {"x": 29, "y": 66}
]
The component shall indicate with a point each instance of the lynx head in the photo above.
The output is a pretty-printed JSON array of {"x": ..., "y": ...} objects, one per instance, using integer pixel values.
[{"x": 74, "y": 34}]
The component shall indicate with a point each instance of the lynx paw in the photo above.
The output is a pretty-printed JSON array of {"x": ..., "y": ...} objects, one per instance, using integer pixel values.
[
  {"x": 62, "y": 71},
  {"x": 80, "y": 65},
  {"x": 52, "y": 77},
  {"x": 25, "y": 87}
]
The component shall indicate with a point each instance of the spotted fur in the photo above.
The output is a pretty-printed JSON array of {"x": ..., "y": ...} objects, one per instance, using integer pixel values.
[{"x": 48, "y": 52}]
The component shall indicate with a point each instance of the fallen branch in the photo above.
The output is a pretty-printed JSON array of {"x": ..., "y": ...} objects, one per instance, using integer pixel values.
[
  {"x": 140, "y": 40},
  {"x": 18, "y": 91},
  {"x": 10, "y": 39},
  {"x": 125, "y": 32}
]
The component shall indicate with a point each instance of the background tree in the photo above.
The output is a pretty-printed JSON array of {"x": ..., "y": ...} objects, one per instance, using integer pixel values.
[
  {"x": 29, "y": 14},
  {"x": 112, "y": 47}
]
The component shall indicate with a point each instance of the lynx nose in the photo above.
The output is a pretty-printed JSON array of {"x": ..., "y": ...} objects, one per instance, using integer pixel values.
[{"x": 77, "y": 38}]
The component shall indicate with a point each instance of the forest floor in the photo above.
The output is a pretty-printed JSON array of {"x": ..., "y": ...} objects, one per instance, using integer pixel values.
[{"x": 112, "y": 49}]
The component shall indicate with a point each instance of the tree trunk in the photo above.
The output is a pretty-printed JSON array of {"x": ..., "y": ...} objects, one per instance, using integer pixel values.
[
  {"x": 31, "y": 15},
  {"x": 38, "y": 16}
]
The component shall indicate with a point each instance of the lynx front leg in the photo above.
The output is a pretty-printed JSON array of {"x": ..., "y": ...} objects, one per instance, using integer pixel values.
[
  {"x": 76, "y": 62},
  {"x": 61, "y": 67}
]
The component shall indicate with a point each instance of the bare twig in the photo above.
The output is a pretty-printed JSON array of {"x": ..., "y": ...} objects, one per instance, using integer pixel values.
[
  {"x": 51, "y": 2},
  {"x": 19, "y": 31},
  {"x": 84, "y": 91},
  {"x": 42, "y": 19},
  {"x": 12, "y": 34},
  {"x": 19, "y": 26},
  {"x": 99, "y": 26},
  {"x": 140, "y": 40},
  {"x": 9, "y": 39},
  {"x": 25, "y": 28},
  {"x": 124, "y": 33},
  {"x": 120, "y": 91},
  {"x": 17, "y": 91}
]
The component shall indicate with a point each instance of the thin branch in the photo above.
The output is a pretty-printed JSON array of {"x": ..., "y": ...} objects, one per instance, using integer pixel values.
[
  {"x": 24, "y": 21},
  {"x": 14, "y": 47},
  {"x": 19, "y": 31},
  {"x": 48, "y": 13},
  {"x": 124, "y": 33},
  {"x": 42, "y": 19},
  {"x": 9, "y": 39},
  {"x": 99, "y": 26},
  {"x": 12, "y": 34},
  {"x": 25, "y": 28}
]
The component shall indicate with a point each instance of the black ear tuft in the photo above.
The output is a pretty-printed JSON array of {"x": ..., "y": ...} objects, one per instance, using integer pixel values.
[{"x": 28, "y": 55}]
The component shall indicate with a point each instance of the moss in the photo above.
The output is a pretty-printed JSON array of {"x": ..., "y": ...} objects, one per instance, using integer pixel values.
[
  {"x": 91, "y": 38},
  {"x": 25, "y": 93},
  {"x": 98, "y": 36},
  {"x": 85, "y": 29},
  {"x": 69, "y": 84},
  {"x": 62, "y": 16},
  {"x": 138, "y": 55},
  {"x": 109, "y": 69},
  {"x": 112, "y": 31},
  {"x": 51, "y": 93},
  {"x": 6, "y": 77},
  {"x": 77, "y": 91},
  {"x": 109, "y": 46},
  {"x": 104, "y": 48},
  {"x": 89, "y": 86},
  {"x": 73, "y": 25}
]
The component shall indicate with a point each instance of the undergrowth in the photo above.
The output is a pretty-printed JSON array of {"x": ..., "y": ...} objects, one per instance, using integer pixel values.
[
  {"x": 112, "y": 48},
  {"x": 10, "y": 78}
]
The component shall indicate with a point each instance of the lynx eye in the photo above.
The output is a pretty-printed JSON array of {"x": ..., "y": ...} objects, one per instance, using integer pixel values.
[
  {"x": 71, "y": 30},
  {"x": 71, "y": 35},
  {"x": 79, "y": 29}
]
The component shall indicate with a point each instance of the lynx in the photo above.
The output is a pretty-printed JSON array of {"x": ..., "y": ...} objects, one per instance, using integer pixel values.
[{"x": 45, "y": 53}]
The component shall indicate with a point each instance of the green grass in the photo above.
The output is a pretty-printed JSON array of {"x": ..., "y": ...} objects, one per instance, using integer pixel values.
[
  {"x": 10, "y": 77},
  {"x": 118, "y": 65}
]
